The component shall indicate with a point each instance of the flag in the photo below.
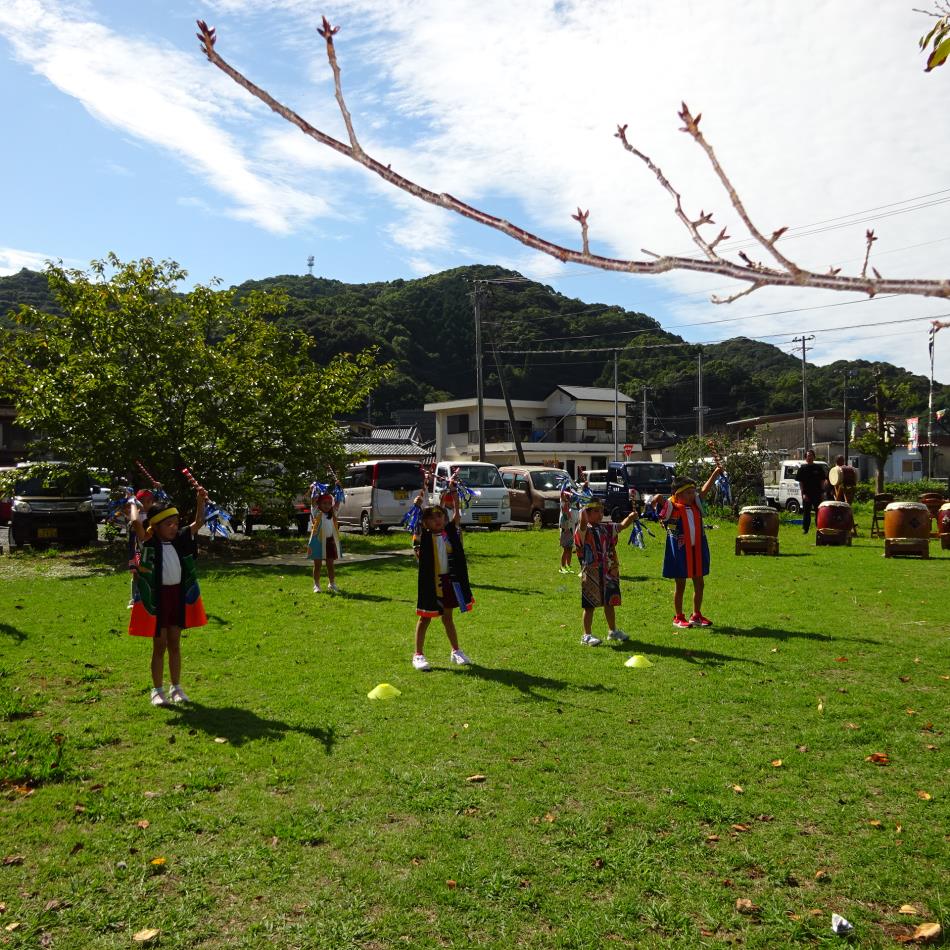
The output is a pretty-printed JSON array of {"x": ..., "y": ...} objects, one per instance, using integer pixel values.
[
  {"x": 935, "y": 325},
  {"x": 913, "y": 433},
  {"x": 940, "y": 413}
]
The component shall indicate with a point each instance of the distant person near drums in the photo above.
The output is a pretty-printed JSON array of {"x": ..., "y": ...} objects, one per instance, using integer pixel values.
[{"x": 811, "y": 477}]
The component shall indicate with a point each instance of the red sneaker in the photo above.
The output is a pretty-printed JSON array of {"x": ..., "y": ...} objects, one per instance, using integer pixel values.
[
  {"x": 698, "y": 620},
  {"x": 680, "y": 621}
]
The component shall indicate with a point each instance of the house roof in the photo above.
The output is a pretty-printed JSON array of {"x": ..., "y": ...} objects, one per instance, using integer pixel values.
[
  {"x": 382, "y": 448},
  {"x": 593, "y": 393}
]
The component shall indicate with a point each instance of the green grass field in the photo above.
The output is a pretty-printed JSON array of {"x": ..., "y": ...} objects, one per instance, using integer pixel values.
[{"x": 616, "y": 806}]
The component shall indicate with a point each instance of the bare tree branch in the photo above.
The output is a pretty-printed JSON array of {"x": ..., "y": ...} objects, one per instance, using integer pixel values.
[
  {"x": 757, "y": 275},
  {"x": 867, "y": 251}
]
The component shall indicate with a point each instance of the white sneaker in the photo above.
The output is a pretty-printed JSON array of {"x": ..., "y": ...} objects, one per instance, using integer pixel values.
[
  {"x": 316, "y": 589},
  {"x": 617, "y": 635},
  {"x": 178, "y": 695},
  {"x": 458, "y": 657},
  {"x": 420, "y": 663},
  {"x": 333, "y": 589},
  {"x": 157, "y": 697},
  {"x": 589, "y": 640}
]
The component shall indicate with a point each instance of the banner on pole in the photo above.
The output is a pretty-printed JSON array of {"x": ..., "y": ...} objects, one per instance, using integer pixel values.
[{"x": 913, "y": 434}]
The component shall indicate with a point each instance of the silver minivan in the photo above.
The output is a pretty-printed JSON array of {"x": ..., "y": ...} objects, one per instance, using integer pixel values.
[{"x": 379, "y": 493}]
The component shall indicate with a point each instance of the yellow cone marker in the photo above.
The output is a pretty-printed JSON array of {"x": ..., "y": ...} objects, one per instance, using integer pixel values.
[
  {"x": 383, "y": 691},
  {"x": 638, "y": 661}
]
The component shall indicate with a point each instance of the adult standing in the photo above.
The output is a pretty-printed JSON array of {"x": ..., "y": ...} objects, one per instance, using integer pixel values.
[{"x": 811, "y": 477}]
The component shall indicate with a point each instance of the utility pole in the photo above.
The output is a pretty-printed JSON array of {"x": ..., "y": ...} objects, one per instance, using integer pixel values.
[
  {"x": 616, "y": 413},
  {"x": 479, "y": 383},
  {"x": 700, "y": 409},
  {"x": 848, "y": 375},
  {"x": 805, "y": 443},
  {"x": 644, "y": 421}
]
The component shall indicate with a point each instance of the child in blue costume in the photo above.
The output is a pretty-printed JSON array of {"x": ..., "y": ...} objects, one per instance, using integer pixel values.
[
  {"x": 443, "y": 578},
  {"x": 687, "y": 551},
  {"x": 324, "y": 543}
]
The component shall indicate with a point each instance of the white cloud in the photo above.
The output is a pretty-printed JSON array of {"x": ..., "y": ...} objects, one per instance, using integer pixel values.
[
  {"x": 13, "y": 260},
  {"x": 163, "y": 96}
]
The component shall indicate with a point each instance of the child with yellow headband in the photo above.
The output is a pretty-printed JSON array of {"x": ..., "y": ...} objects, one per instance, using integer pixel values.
[
  {"x": 169, "y": 599},
  {"x": 687, "y": 551}
]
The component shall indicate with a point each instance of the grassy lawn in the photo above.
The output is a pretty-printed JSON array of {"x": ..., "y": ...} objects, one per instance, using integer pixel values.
[{"x": 618, "y": 807}]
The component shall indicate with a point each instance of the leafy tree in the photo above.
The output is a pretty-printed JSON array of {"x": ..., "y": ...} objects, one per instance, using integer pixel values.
[
  {"x": 134, "y": 369},
  {"x": 744, "y": 460},
  {"x": 874, "y": 435}
]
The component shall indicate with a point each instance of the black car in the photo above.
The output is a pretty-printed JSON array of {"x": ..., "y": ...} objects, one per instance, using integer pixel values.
[{"x": 648, "y": 478}]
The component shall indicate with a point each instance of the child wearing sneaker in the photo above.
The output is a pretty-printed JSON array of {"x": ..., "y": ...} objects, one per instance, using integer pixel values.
[
  {"x": 687, "y": 551},
  {"x": 443, "y": 577},
  {"x": 566, "y": 527},
  {"x": 324, "y": 544},
  {"x": 596, "y": 544},
  {"x": 168, "y": 599}
]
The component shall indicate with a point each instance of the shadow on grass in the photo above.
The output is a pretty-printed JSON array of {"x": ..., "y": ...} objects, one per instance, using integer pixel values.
[
  {"x": 772, "y": 633},
  {"x": 239, "y": 726},
  {"x": 508, "y": 590},
  {"x": 527, "y": 683},
  {"x": 9, "y": 630},
  {"x": 689, "y": 654}
]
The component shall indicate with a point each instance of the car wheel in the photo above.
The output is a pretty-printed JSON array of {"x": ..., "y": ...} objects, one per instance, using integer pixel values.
[
  {"x": 365, "y": 526},
  {"x": 536, "y": 519},
  {"x": 248, "y": 524},
  {"x": 793, "y": 506},
  {"x": 494, "y": 527},
  {"x": 617, "y": 516},
  {"x": 303, "y": 522}
]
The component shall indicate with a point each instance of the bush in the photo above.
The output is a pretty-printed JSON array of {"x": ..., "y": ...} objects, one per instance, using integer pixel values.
[{"x": 902, "y": 491}]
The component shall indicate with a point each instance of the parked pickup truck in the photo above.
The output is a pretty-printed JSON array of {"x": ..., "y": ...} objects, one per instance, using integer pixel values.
[{"x": 781, "y": 486}]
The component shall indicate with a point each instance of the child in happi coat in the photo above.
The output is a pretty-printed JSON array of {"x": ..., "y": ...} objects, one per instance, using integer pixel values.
[
  {"x": 142, "y": 503},
  {"x": 443, "y": 577},
  {"x": 324, "y": 544},
  {"x": 168, "y": 599},
  {"x": 565, "y": 526},
  {"x": 596, "y": 544},
  {"x": 687, "y": 551}
]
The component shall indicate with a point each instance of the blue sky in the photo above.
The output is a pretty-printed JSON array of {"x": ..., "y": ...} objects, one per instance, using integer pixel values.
[{"x": 120, "y": 136}]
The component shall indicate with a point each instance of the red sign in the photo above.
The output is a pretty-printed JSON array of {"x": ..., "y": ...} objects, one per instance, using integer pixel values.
[{"x": 628, "y": 449}]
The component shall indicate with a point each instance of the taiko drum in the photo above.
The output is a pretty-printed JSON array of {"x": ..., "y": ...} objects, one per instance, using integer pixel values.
[
  {"x": 943, "y": 525},
  {"x": 835, "y": 516},
  {"x": 758, "y": 520},
  {"x": 906, "y": 519}
]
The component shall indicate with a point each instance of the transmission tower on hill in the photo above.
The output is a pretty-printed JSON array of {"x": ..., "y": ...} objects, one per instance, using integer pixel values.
[{"x": 310, "y": 265}]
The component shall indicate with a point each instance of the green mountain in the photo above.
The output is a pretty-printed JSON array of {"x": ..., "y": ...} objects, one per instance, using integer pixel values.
[{"x": 426, "y": 329}]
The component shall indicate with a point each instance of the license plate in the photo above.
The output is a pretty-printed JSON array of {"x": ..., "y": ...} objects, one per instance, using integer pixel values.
[
  {"x": 46, "y": 532},
  {"x": 400, "y": 495},
  {"x": 484, "y": 519}
]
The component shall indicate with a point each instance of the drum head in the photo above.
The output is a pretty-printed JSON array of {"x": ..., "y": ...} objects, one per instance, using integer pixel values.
[{"x": 834, "y": 476}]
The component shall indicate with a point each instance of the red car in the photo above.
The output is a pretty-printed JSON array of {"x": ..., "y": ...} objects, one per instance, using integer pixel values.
[{"x": 6, "y": 510}]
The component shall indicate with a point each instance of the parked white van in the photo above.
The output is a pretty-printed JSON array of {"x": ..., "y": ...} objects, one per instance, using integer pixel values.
[
  {"x": 379, "y": 493},
  {"x": 492, "y": 507},
  {"x": 782, "y": 489}
]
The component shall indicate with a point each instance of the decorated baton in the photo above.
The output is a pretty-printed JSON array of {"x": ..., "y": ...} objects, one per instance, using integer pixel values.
[{"x": 217, "y": 519}]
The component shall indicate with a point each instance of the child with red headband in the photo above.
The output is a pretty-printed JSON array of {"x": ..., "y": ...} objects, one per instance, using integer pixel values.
[
  {"x": 687, "y": 551},
  {"x": 168, "y": 598},
  {"x": 324, "y": 544}
]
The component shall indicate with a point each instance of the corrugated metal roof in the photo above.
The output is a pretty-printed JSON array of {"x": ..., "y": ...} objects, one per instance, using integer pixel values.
[{"x": 594, "y": 393}]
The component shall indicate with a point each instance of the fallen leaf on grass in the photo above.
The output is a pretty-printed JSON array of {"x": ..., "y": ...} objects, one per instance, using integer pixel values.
[
  {"x": 738, "y": 789},
  {"x": 12, "y": 859},
  {"x": 745, "y": 906},
  {"x": 450, "y": 884},
  {"x": 220, "y": 739},
  {"x": 550, "y": 817},
  {"x": 931, "y": 747},
  {"x": 76, "y": 848},
  {"x": 904, "y": 679},
  {"x": 776, "y": 763},
  {"x": 476, "y": 778},
  {"x": 146, "y": 936},
  {"x": 822, "y": 875},
  {"x": 841, "y": 659},
  {"x": 3, "y": 908},
  {"x": 898, "y": 828},
  {"x": 765, "y": 817},
  {"x": 802, "y": 748},
  {"x": 821, "y": 707},
  {"x": 792, "y": 916},
  {"x": 924, "y": 933},
  {"x": 908, "y": 909},
  {"x": 143, "y": 824},
  {"x": 924, "y": 796},
  {"x": 157, "y": 862},
  {"x": 54, "y": 904},
  {"x": 878, "y": 758},
  {"x": 911, "y": 712},
  {"x": 739, "y": 827},
  {"x": 16, "y": 925},
  {"x": 712, "y": 838},
  {"x": 598, "y": 863},
  {"x": 851, "y": 725},
  {"x": 816, "y": 912},
  {"x": 944, "y": 677},
  {"x": 79, "y": 809},
  {"x": 874, "y": 823},
  {"x": 151, "y": 794}
]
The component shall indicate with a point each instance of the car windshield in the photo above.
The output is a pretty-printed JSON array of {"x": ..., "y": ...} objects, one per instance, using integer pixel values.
[
  {"x": 479, "y": 476},
  {"x": 398, "y": 476},
  {"x": 647, "y": 472},
  {"x": 74, "y": 485},
  {"x": 551, "y": 480}
]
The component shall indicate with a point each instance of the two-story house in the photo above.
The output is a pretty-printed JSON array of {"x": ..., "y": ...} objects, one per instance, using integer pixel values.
[{"x": 572, "y": 428}]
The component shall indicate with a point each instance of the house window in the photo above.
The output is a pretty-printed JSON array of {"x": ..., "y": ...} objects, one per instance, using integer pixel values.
[{"x": 457, "y": 423}]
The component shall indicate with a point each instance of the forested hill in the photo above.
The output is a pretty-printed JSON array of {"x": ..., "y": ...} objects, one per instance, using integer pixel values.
[{"x": 425, "y": 328}]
